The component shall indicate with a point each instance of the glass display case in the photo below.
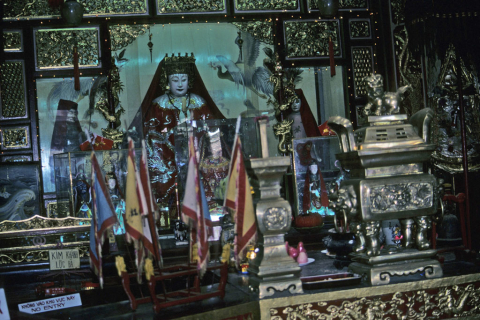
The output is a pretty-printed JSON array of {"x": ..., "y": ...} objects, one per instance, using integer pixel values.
[
  {"x": 73, "y": 174},
  {"x": 214, "y": 142},
  {"x": 313, "y": 161}
]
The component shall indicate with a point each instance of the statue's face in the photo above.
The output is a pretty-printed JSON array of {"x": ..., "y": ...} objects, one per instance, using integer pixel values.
[
  {"x": 313, "y": 169},
  {"x": 296, "y": 105},
  {"x": 112, "y": 183},
  {"x": 375, "y": 92},
  {"x": 178, "y": 84}
]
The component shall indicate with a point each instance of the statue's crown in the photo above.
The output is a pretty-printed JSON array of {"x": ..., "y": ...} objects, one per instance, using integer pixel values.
[
  {"x": 374, "y": 80},
  {"x": 179, "y": 64}
]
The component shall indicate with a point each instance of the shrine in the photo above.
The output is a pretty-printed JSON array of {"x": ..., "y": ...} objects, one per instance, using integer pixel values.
[{"x": 233, "y": 159}]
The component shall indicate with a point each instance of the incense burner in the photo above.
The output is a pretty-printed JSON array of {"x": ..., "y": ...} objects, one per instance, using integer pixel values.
[{"x": 387, "y": 180}]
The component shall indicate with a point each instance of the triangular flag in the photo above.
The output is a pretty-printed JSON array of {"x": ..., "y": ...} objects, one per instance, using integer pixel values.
[
  {"x": 133, "y": 217},
  {"x": 195, "y": 209},
  {"x": 238, "y": 198},
  {"x": 148, "y": 208},
  {"x": 103, "y": 217}
]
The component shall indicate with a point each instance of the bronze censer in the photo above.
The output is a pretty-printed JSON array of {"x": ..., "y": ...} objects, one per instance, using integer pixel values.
[{"x": 387, "y": 180}]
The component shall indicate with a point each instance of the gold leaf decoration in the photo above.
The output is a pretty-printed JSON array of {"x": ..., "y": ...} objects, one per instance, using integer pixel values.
[
  {"x": 260, "y": 30},
  {"x": 177, "y": 6},
  {"x": 310, "y": 38},
  {"x": 54, "y": 47},
  {"x": 362, "y": 67},
  {"x": 441, "y": 303},
  {"x": 122, "y": 36},
  {"x": 15, "y": 138},
  {"x": 13, "y": 90},
  {"x": 359, "y": 29},
  {"x": 39, "y": 222},
  {"x": 343, "y": 4},
  {"x": 252, "y": 5},
  {"x": 39, "y": 9},
  {"x": 12, "y": 41}
]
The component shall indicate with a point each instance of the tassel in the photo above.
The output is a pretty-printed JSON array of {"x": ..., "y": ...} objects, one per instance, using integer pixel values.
[
  {"x": 76, "y": 73},
  {"x": 332, "y": 57}
]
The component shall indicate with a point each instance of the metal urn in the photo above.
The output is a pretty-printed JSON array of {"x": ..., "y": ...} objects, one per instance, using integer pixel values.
[
  {"x": 272, "y": 269},
  {"x": 387, "y": 180}
]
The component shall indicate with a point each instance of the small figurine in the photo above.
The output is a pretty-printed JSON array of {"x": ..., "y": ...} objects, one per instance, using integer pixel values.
[
  {"x": 380, "y": 102},
  {"x": 298, "y": 131}
]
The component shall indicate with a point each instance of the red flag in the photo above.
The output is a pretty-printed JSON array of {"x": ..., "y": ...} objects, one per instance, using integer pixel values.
[
  {"x": 103, "y": 217},
  {"x": 195, "y": 209},
  {"x": 148, "y": 209}
]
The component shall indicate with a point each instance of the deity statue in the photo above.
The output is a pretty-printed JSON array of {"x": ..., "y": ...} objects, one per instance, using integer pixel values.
[
  {"x": 176, "y": 94},
  {"x": 81, "y": 195},
  {"x": 298, "y": 130},
  {"x": 315, "y": 195},
  {"x": 213, "y": 165},
  {"x": 380, "y": 102}
]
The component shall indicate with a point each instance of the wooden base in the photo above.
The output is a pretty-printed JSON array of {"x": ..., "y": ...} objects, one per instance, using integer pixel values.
[{"x": 178, "y": 297}]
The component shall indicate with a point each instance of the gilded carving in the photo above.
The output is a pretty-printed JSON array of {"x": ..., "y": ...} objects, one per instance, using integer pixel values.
[
  {"x": 284, "y": 131},
  {"x": 122, "y": 36},
  {"x": 38, "y": 222},
  {"x": 446, "y": 128},
  {"x": 401, "y": 197},
  {"x": 446, "y": 302},
  {"x": 343, "y": 4},
  {"x": 35, "y": 255},
  {"x": 251, "y": 5},
  {"x": 275, "y": 218},
  {"x": 54, "y": 47},
  {"x": 171, "y": 6},
  {"x": 13, "y": 90},
  {"x": 15, "y": 138},
  {"x": 359, "y": 29},
  {"x": 16, "y": 158},
  {"x": 311, "y": 38},
  {"x": 398, "y": 8},
  {"x": 260, "y": 30},
  {"x": 410, "y": 71},
  {"x": 362, "y": 67},
  {"x": 39, "y": 9},
  {"x": 12, "y": 41}
]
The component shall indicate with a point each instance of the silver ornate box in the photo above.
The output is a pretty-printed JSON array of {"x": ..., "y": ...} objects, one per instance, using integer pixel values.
[{"x": 386, "y": 162}]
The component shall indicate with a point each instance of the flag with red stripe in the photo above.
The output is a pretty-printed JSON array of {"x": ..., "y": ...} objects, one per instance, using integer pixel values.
[
  {"x": 148, "y": 209},
  {"x": 103, "y": 217},
  {"x": 239, "y": 200},
  {"x": 133, "y": 217},
  {"x": 195, "y": 211}
]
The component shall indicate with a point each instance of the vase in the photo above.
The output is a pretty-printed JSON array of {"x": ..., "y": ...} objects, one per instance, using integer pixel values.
[{"x": 328, "y": 8}]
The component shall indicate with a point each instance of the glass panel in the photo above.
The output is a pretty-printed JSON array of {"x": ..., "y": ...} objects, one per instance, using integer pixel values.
[{"x": 64, "y": 114}]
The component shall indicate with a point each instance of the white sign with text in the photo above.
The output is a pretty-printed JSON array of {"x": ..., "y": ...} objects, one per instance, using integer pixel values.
[
  {"x": 55, "y": 303},
  {"x": 4, "y": 315},
  {"x": 64, "y": 259}
]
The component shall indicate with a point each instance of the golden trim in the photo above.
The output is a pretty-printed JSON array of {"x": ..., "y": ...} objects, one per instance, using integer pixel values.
[
  {"x": 266, "y": 305},
  {"x": 39, "y": 223}
]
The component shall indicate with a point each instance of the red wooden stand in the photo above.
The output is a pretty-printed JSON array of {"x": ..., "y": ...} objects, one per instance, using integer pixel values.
[{"x": 173, "y": 298}]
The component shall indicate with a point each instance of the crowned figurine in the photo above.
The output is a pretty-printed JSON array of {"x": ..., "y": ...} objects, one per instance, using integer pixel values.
[{"x": 172, "y": 98}]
